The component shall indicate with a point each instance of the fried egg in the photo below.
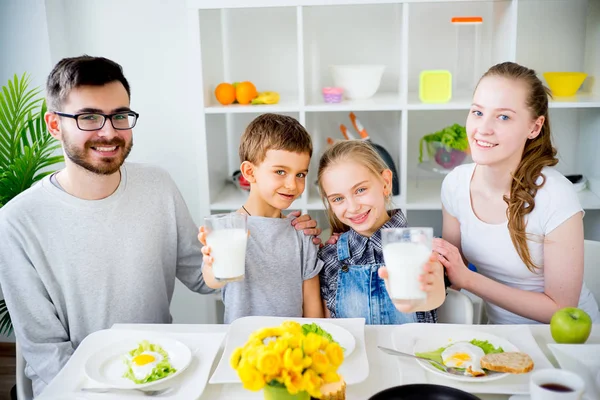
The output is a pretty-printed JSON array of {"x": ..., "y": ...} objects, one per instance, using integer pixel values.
[
  {"x": 464, "y": 355},
  {"x": 143, "y": 364}
]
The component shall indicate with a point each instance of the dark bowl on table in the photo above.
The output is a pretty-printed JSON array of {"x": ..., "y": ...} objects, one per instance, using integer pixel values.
[{"x": 423, "y": 392}]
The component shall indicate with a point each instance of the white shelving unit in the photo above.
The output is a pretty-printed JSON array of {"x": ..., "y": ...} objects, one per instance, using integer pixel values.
[{"x": 287, "y": 46}]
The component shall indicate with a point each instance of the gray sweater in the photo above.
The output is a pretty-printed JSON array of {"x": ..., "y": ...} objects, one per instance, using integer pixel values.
[{"x": 69, "y": 267}]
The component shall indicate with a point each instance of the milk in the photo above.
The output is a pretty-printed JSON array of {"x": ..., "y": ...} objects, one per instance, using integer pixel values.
[
  {"x": 404, "y": 261},
  {"x": 228, "y": 249}
]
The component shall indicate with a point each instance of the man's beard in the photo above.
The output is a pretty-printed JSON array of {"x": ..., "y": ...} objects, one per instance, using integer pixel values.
[{"x": 105, "y": 166}]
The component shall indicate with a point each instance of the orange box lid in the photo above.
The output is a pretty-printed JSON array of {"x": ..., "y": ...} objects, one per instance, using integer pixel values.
[{"x": 467, "y": 20}]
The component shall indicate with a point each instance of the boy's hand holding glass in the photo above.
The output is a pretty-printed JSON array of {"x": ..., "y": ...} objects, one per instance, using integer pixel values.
[
  {"x": 207, "y": 262},
  {"x": 224, "y": 237}
]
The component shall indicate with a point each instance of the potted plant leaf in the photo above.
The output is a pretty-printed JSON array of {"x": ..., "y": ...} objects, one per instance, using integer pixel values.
[
  {"x": 27, "y": 151},
  {"x": 448, "y": 147}
]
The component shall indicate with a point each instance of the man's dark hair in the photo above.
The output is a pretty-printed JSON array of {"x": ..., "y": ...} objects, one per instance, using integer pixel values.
[{"x": 72, "y": 72}]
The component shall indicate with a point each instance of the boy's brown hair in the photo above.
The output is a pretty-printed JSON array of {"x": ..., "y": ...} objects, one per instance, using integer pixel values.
[{"x": 273, "y": 132}]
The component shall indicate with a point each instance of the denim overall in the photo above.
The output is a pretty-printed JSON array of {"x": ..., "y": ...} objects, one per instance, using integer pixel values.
[{"x": 361, "y": 292}]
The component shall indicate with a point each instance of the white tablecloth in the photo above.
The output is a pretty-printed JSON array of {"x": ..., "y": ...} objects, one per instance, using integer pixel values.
[{"x": 383, "y": 368}]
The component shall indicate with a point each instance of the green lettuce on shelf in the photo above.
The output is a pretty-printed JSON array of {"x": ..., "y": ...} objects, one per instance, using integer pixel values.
[{"x": 452, "y": 137}]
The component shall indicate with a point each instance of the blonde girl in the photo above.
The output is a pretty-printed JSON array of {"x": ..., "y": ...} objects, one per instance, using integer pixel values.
[{"x": 356, "y": 186}]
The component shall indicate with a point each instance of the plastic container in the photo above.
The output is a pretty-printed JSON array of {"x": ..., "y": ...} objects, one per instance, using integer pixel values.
[
  {"x": 435, "y": 86},
  {"x": 468, "y": 50},
  {"x": 445, "y": 157},
  {"x": 564, "y": 83},
  {"x": 359, "y": 81},
  {"x": 332, "y": 94}
]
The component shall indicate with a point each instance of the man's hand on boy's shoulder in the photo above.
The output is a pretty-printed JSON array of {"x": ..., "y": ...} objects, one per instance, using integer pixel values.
[
  {"x": 306, "y": 224},
  {"x": 333, "y": 238}
]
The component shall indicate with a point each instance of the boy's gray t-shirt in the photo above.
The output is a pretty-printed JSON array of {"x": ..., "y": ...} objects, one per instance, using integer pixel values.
[{"x": 278, "y": 260}]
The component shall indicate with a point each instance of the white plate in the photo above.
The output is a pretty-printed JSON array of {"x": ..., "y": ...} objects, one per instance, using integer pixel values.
[
  {"x": 429, "y": 344},
  {"x": 106, "y": 366},
  {"x": 405, "y": 336},
  {"x": 340, "y": 335},
  {"x": 348, "y": 332}
]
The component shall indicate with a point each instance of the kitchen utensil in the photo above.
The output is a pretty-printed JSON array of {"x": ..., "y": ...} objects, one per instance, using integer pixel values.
[
  {"x": 126, "y": 391},
  {"x": 564, "y": 83},
  {"x": 347, "y": 135},
  {"x": 423, "y": 391},
  {"x": 383, "y": 153},
  {"x": 435, "y": 86},
  {"x": 359, "y": 81},
  {"x": 449, "y": 370},
  {"x": 107, "y": 368},
  {"x": 332, "y": 94},
  {"x": 579, "y": 182},
  {"x": 468, "y": 50},
  {"x": 348, "y": 332},
  {"x": 454, "y": 335},
  {"x": 239, "y": 181},
  {"x": 556, "y": 384},
  {"x": 444, "y": 156}
]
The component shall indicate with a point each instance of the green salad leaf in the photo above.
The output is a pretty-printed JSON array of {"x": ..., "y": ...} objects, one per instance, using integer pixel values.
[
  {"x": 486, "y": 346},
  {"x": 314, "y": 328},
  {"x": 435, "y": 355},
  {"x": 160, "y": 371}
]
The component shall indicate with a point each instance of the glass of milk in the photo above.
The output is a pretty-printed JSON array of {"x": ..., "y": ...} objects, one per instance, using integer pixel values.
[
  {"x": 405, "y": 252},
  {"x": 227, "y": 235}
]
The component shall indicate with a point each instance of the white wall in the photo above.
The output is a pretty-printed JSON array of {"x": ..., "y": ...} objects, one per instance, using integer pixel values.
[
  {"x": 24, "y": 43},
  {"x": 151, "y": 47}
]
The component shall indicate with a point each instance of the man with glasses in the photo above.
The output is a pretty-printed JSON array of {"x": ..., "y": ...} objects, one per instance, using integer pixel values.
[{"x": 100, "y": 241}]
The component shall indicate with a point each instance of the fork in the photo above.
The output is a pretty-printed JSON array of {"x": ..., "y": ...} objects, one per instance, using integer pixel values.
[
  {"x": 449, "y": 370},
  {"x": 114, "y": 390}
]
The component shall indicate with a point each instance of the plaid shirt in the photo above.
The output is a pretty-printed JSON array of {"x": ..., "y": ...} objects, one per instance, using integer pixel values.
[{"x": 363, "y": 251}]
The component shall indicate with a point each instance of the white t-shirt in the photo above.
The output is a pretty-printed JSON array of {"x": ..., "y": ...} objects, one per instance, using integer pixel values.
[{"x": 490, "y": 249}]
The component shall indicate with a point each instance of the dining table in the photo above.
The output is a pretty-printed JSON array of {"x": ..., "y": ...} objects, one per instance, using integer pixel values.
[{"x": 383, "y": 368}]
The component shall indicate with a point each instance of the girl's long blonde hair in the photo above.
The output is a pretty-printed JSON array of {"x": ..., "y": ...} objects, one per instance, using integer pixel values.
[
  {"x": 537, "y": 154},
  {"x": 357, "y": 151}
]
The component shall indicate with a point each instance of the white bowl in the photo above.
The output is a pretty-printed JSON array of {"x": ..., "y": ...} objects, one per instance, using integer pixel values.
[{"x": 359, "y": 81}]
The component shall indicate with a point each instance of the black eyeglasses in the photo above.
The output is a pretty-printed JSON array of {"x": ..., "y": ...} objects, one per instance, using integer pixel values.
[{"x": 121, "y": 121}]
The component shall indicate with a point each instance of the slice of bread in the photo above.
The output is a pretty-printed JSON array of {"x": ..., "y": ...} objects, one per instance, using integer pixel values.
[{"x": 511, "y": 362}]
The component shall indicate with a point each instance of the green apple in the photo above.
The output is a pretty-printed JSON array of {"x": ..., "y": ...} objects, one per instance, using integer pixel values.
[{"x": 570, "y": 325}]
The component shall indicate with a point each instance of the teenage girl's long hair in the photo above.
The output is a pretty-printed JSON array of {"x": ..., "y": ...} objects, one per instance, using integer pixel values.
[{"x": 537, "y": 154}]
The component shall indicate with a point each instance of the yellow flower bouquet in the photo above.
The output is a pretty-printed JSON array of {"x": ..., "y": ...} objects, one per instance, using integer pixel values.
[{"x": 287, "y": 357}]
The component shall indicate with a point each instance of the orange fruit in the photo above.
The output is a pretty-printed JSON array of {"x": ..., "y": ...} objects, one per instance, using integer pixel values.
[
  {"x": 245, "y": 92},
  {"x": 225, "y": 93}
]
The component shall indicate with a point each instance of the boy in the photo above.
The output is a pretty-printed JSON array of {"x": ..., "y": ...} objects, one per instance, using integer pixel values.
[{"x": 280, "y": 280}]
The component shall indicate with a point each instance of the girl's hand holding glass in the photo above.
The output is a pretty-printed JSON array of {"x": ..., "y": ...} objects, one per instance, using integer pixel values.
[{"x": 430, "y": 279}]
